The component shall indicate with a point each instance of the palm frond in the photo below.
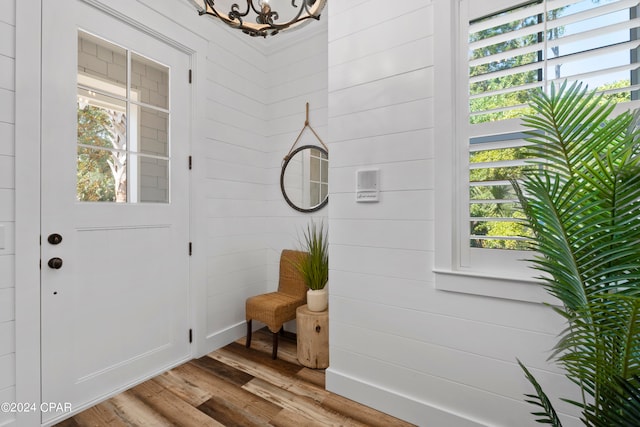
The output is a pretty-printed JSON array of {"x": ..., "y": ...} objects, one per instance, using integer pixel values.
[
  {"x": 552, "y": 241},
  {"x": 568, "y": 126},
  {"x": 626, "y": 408},
  {"x": 548, "y": 414},
  {"x": 609, "y": 342},
  {"x": 581, "y": 198}
]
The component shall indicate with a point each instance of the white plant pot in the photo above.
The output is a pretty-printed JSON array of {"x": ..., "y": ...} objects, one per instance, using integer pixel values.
[{"x": 317, "y": 300}]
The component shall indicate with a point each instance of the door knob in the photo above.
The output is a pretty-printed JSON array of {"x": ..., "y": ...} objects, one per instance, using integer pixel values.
[
  {"x": 55, "y": 263},
  {"x": 54, "y": 238}
]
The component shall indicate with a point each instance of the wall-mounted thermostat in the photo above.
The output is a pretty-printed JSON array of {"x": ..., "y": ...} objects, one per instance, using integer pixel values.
[{"x": 367, "y": 183}]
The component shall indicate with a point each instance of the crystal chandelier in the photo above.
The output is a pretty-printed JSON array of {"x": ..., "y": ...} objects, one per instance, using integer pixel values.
[{"x": 259, "y": 17}]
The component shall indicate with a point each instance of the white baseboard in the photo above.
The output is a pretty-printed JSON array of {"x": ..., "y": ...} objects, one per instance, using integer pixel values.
[
  {"x": 393, "y": 403},
  {"x": 221, "y": 338}
]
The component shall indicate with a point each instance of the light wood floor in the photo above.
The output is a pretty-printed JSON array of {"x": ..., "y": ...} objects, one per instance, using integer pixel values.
[{"x": 234, "y": 386}]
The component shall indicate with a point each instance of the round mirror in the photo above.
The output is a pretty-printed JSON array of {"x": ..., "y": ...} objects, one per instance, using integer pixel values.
[{"x": 304, "y": 178}]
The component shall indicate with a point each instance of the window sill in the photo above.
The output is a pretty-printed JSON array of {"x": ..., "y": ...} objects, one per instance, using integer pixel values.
[{"x": 494, "y": 286}]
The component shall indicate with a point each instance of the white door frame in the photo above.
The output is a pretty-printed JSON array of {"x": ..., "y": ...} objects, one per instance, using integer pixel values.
[{"x": 28, "y": 131}]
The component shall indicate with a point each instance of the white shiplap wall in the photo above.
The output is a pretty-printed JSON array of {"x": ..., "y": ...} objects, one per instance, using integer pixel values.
[
  {"x": 231, "y": 187},
  {"x": 296, "y": 74},
  {"x": 256, "y": 90},
  {"x": 7, "y": 211},
  {"x": 228, "y": 187},
  {"x": 396, "y": 343},
  {"x": 235, "y": 179},
  {"x": 430, "y": 357},
  {"x": 235, "y": 200}
]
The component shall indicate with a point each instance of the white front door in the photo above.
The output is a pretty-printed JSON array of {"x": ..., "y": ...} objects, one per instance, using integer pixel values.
[{"x": 115, "y": 205}]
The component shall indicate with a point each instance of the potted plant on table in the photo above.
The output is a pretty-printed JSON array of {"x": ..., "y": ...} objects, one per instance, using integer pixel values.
[{"x": 314, "y": 267}]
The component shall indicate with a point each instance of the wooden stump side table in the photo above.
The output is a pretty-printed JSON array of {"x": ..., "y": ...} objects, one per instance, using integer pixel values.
[{"x": 313, "y": 337}]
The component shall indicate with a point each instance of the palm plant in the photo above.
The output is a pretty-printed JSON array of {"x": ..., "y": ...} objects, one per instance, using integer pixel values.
[
  {"x": 314, "y": 267},
  {"x": 581, "y": 198}
]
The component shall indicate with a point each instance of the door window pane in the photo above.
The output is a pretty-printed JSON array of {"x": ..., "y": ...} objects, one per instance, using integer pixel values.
[
  {"x": 101, "y": 173},
  {"x": 123, "y": 127},
  {"x": 154, "y": 126},
  {"x": 95, "y": 177},
  {"x": 152, "y": 178},
  {"x": 101, "y": 120},
  {"x": 151, "y": 80},
  {"x": 101, "y": 65}
]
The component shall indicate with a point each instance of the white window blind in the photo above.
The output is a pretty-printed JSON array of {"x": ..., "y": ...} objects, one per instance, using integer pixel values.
[{"x": 515, "y": 51}]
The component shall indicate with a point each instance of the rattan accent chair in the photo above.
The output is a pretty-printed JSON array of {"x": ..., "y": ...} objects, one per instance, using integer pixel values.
[{"x": 276, "y": 308}]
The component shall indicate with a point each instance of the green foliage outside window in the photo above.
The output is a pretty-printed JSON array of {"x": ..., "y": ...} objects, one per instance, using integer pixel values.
[
  {"x": 509, "y": 102},
  {"x": 481, "y": 108},
  {"x": 94, "y": 176},
  {"x": 515, "y": 98},
  {"x": 102, "y": 155}
]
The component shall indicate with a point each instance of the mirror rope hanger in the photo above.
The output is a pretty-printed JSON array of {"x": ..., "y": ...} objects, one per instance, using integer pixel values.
[{"x": 306, "y": 125}]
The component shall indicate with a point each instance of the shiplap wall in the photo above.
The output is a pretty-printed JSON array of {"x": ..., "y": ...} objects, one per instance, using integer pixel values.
[
  {"x": 296, "y": 74},
  {"x": 434, "y": 358},
  {"x": 235, "y": 168},
  {"x": 256, "y": 93},
  {"x": 430, "y": 357},
  {"x": 235, "y": 179},
  {"x": 7, "y": 211}
]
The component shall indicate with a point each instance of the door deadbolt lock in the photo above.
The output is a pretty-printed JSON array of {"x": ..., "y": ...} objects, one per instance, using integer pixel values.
[
  {"x": 54, "y": 238},
  {"x": 55, "y": 263}
]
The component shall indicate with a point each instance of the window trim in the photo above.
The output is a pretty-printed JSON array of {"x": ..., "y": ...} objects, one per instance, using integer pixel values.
[
  {"x": 499, "y": 274},
  {"x": 516, "y": 282}
]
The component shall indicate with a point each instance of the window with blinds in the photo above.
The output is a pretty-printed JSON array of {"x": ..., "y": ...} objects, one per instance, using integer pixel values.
[{"x": 515, "y": 52}]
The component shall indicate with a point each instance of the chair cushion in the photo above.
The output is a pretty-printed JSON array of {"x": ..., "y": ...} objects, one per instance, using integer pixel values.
[{"x": 273, "y": 309}]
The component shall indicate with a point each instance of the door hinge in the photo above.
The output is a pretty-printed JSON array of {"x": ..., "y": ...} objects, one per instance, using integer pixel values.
[
  {"x": 190, "y": 163},
  {"x": 190, "y": 76},
  {"x": 190, "y": 335},
  {"x": 190, "y": 248}
]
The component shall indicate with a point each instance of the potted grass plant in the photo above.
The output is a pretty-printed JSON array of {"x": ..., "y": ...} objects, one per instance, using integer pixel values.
[
  {"x": 581, "y": 198},
  {"x": 314, "y": 267}
]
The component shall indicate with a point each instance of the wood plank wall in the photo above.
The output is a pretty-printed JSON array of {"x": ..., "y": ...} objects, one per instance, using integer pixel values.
[
  {"x": 7, "y": 210},
  {"x": 234, "y": 184},
  {"x": 397, "y": 343},
  {"x": 296, "y": 74},
  {"x": 237, "y": 187},
  {"x": 256, "y": 94}
]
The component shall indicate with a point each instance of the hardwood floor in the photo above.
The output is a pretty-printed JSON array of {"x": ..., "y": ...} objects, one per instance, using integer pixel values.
[{"x": 235, "y": 386}]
